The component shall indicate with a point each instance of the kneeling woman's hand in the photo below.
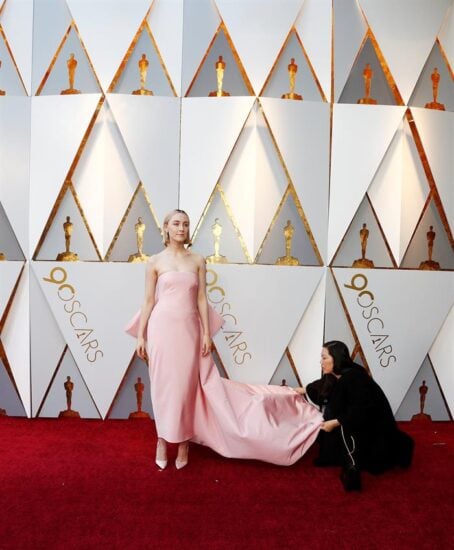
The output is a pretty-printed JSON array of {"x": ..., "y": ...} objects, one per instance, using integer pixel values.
[
  {"x": 329, "y": 425},
  {"x": 206, "y": 344}
]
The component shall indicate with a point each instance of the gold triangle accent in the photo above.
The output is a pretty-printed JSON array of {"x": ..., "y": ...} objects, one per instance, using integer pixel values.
[
  {"x": 121, "y": 385},
  {"x": 9, "y": 371},
  {"x": 445, "y": 57},
  {"x": 3, "y": 35},
  {"x": 388, "y": 248},
  {"x": 11, "y": 299},
  {"x": 308, "y": 61},
  {"x": 46, "y": 393},
  {"x": 139, "y": 188},
  {"x": 57, "y": 53},
  {"x": 292, "y": 364},
  {"x": 236, "y": 57}
]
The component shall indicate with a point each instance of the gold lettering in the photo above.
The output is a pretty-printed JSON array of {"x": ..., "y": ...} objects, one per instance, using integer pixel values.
[
  {"x": 375, "y": 319},
  {"x": 354, "y": 278},
  {"x": 73, "y": 315},
  {"x": 52, "y": 279},
  {"x": 70, "y": 288}
]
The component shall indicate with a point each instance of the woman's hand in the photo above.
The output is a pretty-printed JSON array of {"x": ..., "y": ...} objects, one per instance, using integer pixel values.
[
  {"x": 141, "y": 349},
  {"x": 329, "y": 425},
  {"x": 301, "y": 391},
  {"x": 206, "y": 344}
]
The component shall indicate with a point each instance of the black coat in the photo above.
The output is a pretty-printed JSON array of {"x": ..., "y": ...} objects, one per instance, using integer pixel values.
[{"x": 367, "y": 421}]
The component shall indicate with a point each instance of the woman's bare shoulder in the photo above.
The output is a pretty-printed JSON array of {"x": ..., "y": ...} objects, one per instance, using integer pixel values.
[{"x": 198, "y": 259}]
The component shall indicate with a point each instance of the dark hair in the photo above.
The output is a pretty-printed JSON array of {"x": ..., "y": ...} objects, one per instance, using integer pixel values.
[{"x": 340, "y": 354}]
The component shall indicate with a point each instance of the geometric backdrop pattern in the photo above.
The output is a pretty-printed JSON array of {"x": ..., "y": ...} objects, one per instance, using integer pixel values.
[{"x": 310, "y": 142}]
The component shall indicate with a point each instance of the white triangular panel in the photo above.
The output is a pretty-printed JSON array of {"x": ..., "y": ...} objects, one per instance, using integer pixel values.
[
  {"x": 46, "y": 342},
  {"x": 385, "y": 192},
  {"x": 101, "y": 348},
  {"x": 204, "y": 122},
  {"x": 336, "y": 322},
  {"x": 163, "y": 17},
  {"x": 238, "y": 180},
  {"x": 397, "y": 335},
  {"x": 105, "y": 178},
  {"x": 349, "y": 30},
  {"x": 58, "y": 126},
  {"x": 415, "y": 190},
  {"x": 446, "y": 35},
  {"x": 262, "y": 317},
  {"x": 17, "y": 22},
  {"x": 107, "y": 44},
  {"x": 441, "y": 354},
  {"x": 361, "y": 136},
  {"x": 48, "y": 14},
  {"x": 16, "y": 339},
  {"x": 436, "y": 129},
  {"x": 307, "y": 157},
  {"x": 403, "y": 26},
  {"x": 155, "y": 153},
  {"x": 9, "y": 273},
  {"x": 258, "y": 22},
  {"x": 314, "y": 26},
  {"x": 305, "y": 345},
  {"x": 200, "y": 24},
  {"x": 15, "y": 164}
]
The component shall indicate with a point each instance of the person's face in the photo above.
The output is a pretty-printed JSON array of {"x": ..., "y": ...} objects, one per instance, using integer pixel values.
[
  {"x": 178, "y": 227},
  {"x": 326, "y": 362}
]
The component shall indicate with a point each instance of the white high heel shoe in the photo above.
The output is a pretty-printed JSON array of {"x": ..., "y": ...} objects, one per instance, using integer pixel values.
[
  {"x": 161, "y": 463},
  {"x": 182, "y": 463}
]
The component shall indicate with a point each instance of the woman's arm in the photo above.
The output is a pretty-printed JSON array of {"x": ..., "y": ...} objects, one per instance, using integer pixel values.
[
  {"x": 202, "y": 304},
  {"x": 150, "y": 287}
]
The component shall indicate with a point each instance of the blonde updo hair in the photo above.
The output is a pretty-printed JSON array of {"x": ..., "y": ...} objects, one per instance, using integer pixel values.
[{"x": 165, "y": 233}]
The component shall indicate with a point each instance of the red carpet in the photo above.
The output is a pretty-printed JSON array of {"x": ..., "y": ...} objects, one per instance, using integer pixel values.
[{"x": 91, "y": 484}]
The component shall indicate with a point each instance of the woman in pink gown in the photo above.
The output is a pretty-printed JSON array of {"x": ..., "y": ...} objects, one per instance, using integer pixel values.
[{"x": 191, "y": 402}]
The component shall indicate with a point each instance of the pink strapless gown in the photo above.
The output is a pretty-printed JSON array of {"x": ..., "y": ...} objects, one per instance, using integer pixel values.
[{"x": 192, "y": 402}]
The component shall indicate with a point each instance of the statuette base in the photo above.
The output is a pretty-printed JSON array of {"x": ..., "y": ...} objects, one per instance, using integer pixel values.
[
  {"x": 435, "y": 105},
  {"x": 142, "y": 91},
  {"x": 292, "y": 95},
  {"x": 139, "y": 414},
  {"x": 287, "y": 260},
  {"x": 69, "y": 414},
  {"x": 70, "y": 91},
  {"x": 2, "y": 92},
  {"x": 367, "y": 101},
  {"x": 217, "y": 94},
  {"x": 422, "y": 416},
  {"x": 67, "y": 257},
  {"x": 2, "y": 257},
  {"x": 219, "y": 259},
  {"x": 429, "y": 265},
  {"x": 3, "y": 412},
  {"x": 138, "y": 258},
  {"x": 364, "y": 263}
]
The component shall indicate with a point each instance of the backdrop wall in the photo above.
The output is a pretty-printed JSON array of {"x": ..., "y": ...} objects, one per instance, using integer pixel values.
[{"x": 326, "y": 143}]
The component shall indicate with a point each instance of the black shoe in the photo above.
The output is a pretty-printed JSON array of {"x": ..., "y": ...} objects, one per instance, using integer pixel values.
[{"x": 351, "y": 478}]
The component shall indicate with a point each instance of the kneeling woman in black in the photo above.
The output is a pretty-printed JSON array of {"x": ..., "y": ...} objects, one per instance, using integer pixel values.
[{"x": 359, "y": 431}]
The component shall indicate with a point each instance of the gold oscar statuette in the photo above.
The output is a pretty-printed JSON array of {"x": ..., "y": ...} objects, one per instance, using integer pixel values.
[
  {"x": 69, "y": 388},
  {"x": 220, "y": 69},
  {"x": 139, "y": 256},
  {"x": 292, "y": 70},
  {"x": 3, "y": 412},
  {"x": 2, "y": 92},
  {"x": 143, "y": 70},
  {"x": 139, "y": 388},
  {"x": 288, "y": 259},
  {"x": 423, "y": 389},
  {"x": 368, "y": 73},
  {"x": 216, "y": 258},
  {"x": 67, "y": 255},
  {"x": 429, "y": 264},
  {"x": 435, "y": 77},
  {"x": 2, "y": 257},
  {"x": 363, "y": 261},
  {"x": 71, "y": 63}
]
